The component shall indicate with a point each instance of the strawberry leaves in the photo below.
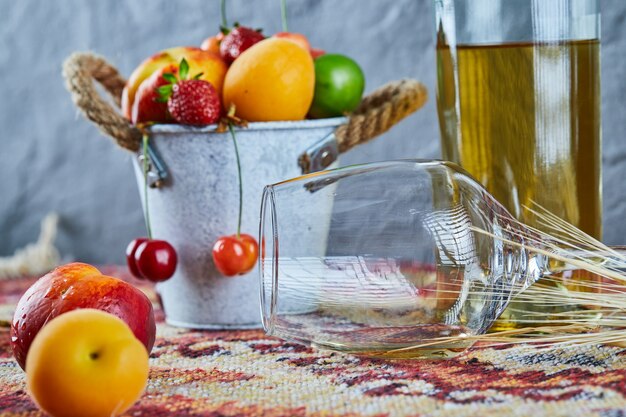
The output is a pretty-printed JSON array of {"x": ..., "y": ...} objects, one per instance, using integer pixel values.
[
  {"x": 165, "y": 91},
  {"x": 183, "y": 69},
  {"x": 170, "y": 77}
]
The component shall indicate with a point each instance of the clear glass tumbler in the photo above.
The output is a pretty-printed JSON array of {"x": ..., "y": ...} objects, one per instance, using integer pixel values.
[{"x": 418, "y": 252}]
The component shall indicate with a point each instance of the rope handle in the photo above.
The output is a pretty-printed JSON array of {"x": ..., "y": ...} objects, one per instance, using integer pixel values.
[
  {"x": 79, "y": 70},
  {"x": 380, "y": 111},
  {"x": 376, "y": 114}
]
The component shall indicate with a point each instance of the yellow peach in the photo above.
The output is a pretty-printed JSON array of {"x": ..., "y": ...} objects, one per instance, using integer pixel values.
[
  {"x": 86, "y": 363},
  {"x": 272, "y": 80}
]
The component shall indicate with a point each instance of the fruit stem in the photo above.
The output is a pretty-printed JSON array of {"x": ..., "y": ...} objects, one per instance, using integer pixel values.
[
  {"x": 145, "y": 184},
  {"x": 223, "y": 13},
  {"x": 232, "y": 134},
  {"x": 283, "y": 14}
]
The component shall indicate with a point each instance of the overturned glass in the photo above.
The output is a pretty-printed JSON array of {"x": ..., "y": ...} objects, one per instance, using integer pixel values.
[{"x": 419, "y": 258}]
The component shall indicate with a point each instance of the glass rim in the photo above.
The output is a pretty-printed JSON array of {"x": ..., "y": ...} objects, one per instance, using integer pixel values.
[
  {"x": 365, "y": 165},
  {"x": 268, "y": 307}
]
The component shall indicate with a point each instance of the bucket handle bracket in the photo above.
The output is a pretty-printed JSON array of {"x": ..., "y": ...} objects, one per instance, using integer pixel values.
[
  {"x": 320, "y": 155},
  {"x": 157, "y": 171}
]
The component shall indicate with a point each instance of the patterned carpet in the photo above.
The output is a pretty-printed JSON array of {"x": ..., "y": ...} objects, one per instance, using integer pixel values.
[{"x": 245, "y": 373}]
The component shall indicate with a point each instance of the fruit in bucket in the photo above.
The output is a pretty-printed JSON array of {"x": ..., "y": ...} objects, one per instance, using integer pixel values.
[
  {"x": 268, "y": 80},
  {"x": 147, "y": 107},
  {"x": 339, "y": 85},
  {"x": 212, "y": 43},
  {"x": 300, "y": 39},
  {"x": 75, "y": 286},
  {"x": 297, "y": 38},
  {"x": 317, "y": 52},
  {"x": 238, "y": 40},
  {"x": 86, "y": 363},
  {"x": 210, "y": 65},
  {"x": 190, "y": 101},
  {"x": 272, "y": 80},
  {"x": 194, "y": 102}
]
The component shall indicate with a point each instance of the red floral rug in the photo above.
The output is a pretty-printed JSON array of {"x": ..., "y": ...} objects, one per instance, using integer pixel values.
[{"x": 245, "y": 373}]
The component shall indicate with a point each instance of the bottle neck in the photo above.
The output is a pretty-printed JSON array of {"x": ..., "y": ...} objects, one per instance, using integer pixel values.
[{"x": 523, "y": 268}]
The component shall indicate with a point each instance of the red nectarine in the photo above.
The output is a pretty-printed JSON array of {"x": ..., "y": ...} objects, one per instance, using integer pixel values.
[{"x": 74, "y": 286}]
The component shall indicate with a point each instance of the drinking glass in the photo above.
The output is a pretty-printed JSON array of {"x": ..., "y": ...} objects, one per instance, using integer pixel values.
[{"x": 417, "y": 251}]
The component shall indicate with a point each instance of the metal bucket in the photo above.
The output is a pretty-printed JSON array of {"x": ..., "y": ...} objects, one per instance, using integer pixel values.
[{"x": 199, "y": 203}]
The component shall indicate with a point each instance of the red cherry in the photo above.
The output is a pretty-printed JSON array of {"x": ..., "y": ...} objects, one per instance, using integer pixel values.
[
  {"x": 131, "y": 249},
  {"x": 156, "y": 260},
  {"x": 235, "y": 255}
]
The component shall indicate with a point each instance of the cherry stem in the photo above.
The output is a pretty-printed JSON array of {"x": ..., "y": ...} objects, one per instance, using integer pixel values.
[
  {"x": 283, "y": 14},
  {"x": 223, "y": 13},
  {"x": 145, "y": 184},
  {"x": 232, "y": 134}
]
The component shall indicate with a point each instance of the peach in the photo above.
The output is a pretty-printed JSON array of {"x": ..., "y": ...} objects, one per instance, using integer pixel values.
[
  {"x": 288, "y": 82},
  {"x": 212, "y": 43},
  {"x": 297, "y": 38},
  {"x": 86, "y": 363},
  {"x": 75, "y": 286}
]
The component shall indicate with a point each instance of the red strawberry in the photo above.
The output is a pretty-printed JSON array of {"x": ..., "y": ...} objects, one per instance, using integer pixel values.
[
  {"x": 194, "y": 102},
  {"x": 238, "y": 40}
]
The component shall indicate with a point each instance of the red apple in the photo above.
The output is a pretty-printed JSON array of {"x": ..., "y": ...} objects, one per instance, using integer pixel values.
[
  {"x": 211, "y": 65},
  {"x": 147, "y": 107},
  {"x": 75, "y": 286}
]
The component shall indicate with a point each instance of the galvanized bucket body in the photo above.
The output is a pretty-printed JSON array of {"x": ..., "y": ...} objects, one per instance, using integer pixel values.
[{"x": 200, "y": 202}]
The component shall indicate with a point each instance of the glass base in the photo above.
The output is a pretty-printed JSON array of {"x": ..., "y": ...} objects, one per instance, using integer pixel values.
[
  {"x": 444, "y": 351},
  {"x": 217, "y": 326}
]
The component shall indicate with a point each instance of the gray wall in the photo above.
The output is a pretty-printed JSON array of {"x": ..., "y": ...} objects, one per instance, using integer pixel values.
[{"x": 51, "y": 159}]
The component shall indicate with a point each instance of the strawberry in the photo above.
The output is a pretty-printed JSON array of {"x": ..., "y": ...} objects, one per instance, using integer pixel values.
[
  {"x": 238, "y": 40},
  {"x": 194, "y": 102},
  {"x": 190, "y": 101}
]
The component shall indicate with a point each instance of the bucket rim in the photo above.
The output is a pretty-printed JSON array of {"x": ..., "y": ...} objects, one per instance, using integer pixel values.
[{"x": 253, "y": 126}]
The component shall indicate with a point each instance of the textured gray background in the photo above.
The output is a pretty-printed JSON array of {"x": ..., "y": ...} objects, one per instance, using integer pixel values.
[{"x": 53, "y": 160}]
